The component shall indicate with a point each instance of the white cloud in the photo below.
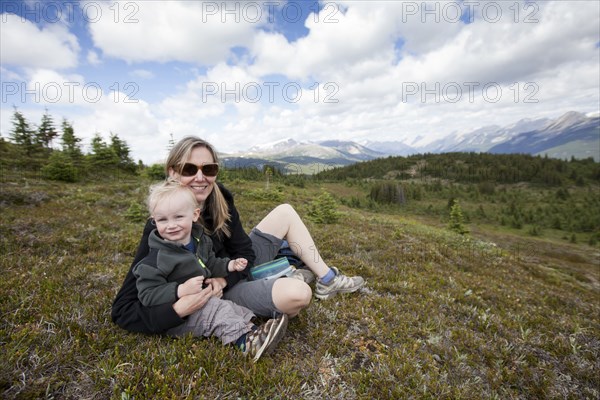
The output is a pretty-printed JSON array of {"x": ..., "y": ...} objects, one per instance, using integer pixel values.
[
  {"x": 93, "y": 58},
  {"x": 210, "y": 96},
  {"x": 336, "y": 41},
  {"x": 9, "y": 75},
  {"x": 361, "y": 45},
  {"x": 142, "y": 73},
  {"x": 518, "y": 62},
  {"x": 194, "y": 31},
  {"x": 503, "y": 54},
  {"x": 507, "y": 51},
  {"x": 368, "y": 52},
  {"x": 23, "y": 44},
  {"x": 133, "y": 122},
  {"x": 49, "y": 87}
]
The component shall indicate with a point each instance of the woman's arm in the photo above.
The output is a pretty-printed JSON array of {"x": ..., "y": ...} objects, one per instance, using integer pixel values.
[
  {"x": 237, "y": 245},
  {"x": 192, "y": 302},
  {"x": 216, "y": 265}
]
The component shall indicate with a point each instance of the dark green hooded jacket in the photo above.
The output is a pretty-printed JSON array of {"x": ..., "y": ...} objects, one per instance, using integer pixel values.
[{"x": 169, "y": 264}]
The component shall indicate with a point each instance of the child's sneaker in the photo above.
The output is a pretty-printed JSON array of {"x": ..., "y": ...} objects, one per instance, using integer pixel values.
[
  {"x": 264, "y": 339},
  {"x": 339, "y": 284}
]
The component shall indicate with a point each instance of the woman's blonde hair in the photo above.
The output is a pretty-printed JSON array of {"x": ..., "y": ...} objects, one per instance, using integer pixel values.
[{"x": 215, "y": 203}]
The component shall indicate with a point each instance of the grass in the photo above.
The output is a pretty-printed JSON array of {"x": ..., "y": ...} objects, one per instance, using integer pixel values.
[{"x": 443, "y": 316}]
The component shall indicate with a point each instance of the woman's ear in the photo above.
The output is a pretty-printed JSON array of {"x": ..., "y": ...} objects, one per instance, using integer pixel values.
[{"x": 171, "y": 172}]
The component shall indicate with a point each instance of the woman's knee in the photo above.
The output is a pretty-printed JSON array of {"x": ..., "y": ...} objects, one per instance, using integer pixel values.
[
  {"x": 302, "y": 293},
  {"x": 279, "y": 221},
  {"x": 291, "y": 292},
  {"x": 286, "y": 210}
]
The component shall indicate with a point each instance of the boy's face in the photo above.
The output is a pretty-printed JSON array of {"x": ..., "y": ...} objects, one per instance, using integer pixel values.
[{"x": 174, "y": 217}]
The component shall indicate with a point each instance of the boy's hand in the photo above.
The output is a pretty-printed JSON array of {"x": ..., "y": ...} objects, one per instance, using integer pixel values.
[
  {"x": 238, "y": 264},
  {"x": 191, "y": 286}
]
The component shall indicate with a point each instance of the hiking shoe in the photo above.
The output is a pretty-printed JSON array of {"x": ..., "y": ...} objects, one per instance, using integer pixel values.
[
  {"x": 339, "y": 284},
  {"x": 304, "y": 275},
  {"x": 263, "y": 340}
]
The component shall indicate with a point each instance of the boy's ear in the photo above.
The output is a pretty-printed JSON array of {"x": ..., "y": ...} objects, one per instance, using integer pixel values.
[{"x": 196, "y": 214}]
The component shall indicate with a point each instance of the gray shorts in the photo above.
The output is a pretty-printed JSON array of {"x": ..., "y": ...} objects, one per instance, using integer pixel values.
[
  {"x": 257, "y": 295},
  {"x": 265, "y": 246}
]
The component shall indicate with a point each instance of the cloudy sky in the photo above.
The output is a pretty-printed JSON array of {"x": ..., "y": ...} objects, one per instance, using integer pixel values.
[{"x": 243, "y": 73}]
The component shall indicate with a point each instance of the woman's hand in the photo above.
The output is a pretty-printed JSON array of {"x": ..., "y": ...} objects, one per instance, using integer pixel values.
[
  {"x": 217, "y": 284},
  {"x": 191, "y": 303}
]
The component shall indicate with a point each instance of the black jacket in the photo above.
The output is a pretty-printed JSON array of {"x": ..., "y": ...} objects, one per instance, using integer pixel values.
[{"x": 127, "y": 310}]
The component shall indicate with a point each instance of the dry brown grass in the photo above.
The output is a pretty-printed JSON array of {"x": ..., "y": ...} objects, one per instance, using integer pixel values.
[{"x": 442, "y": 316}]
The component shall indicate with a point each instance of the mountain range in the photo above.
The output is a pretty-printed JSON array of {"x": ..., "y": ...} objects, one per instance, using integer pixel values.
[{"x": 573, "y": 134}]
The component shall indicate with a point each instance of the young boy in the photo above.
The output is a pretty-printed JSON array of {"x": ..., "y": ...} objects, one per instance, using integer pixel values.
[{"x": 180, "y": 258}]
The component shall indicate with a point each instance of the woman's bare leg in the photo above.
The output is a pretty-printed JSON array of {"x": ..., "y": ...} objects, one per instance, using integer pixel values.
[
  {"x": 291, "y": 295},
  {"x": 284, "y": 222}
]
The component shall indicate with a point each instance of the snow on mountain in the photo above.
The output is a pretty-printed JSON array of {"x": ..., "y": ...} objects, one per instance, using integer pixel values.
[
  {"x": 390, "y": 147},
  {"x": 288, "y": 150},
  {"x": 274, "y": 146},
  {"x": 570, "y": 120},
  {"x": 484, "y": 138},
  {"x": 572, "y": 132},
  {"x": 593, "y": 114},
  {"x": 512, "y": 138},
  {"x": 352, "y": 149}
]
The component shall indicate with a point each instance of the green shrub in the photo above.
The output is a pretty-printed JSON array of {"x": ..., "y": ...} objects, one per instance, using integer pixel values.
[
  {"x": 387, "y": 193},
  {"x": 456, "y": 223},
  {"x": 136, "y": 212},
  {"x": 263, "y": 194},
  {"x": 487, "y": 188},
  {"x": 155, "y": 172},
  {"x": 60, "y": 168},
  {"x": 517, "y": 222},
  {"x": 535, "y": 230},
  {"x": 323, "y": 209}
]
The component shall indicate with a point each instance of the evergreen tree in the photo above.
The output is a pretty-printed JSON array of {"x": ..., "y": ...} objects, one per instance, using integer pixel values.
[
  {"x": 456, "y": 223},
  {"x": 102, "y": 157},
  {"x": 46, "y": 131},
  {"x": 60, "y": 168},
  {"x": 22, "y": 134},
  {"x": 323, "y": 209},
  {"x": 171, "y": 142},
  {"x": 70, "y": 142},
  {"x": 157, "y": 172},
  {"x": 121, "y": 149},
  {"x": 387, "y": 193}
]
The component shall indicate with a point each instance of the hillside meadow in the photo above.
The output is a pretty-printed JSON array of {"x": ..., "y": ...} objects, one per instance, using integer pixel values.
[{"x": 493, "y": 314}]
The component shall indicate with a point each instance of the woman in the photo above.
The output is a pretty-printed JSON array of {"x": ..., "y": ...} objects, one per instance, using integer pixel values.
[{"x": 194, "y": 163}]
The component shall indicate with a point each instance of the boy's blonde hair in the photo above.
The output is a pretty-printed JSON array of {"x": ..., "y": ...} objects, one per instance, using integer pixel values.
[{"x": 164, "y": 190}]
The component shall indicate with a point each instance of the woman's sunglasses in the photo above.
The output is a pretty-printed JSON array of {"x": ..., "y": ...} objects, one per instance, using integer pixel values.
[{"x": 210, "y": 170}]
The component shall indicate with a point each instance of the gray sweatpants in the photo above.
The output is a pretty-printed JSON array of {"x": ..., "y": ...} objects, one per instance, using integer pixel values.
[{"x": 220, "y": 318}]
